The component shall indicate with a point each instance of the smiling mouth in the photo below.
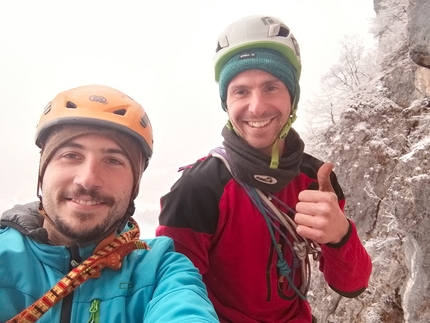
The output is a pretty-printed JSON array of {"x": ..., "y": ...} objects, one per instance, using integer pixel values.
[
  {"x": 258, "y": 124},
  {"x": 87, "y": 197},
  {"x": 86, "y": 202}
]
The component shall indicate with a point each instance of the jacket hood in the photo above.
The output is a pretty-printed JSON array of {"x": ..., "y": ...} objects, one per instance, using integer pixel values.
[{"x": 26, "y": 219}]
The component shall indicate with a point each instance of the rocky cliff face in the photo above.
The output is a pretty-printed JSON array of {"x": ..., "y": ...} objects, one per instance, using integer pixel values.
[{"x": 382, "y": 154}]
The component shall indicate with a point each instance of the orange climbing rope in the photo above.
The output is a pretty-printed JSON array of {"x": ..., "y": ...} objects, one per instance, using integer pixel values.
[{"x": 108, "y": 256}]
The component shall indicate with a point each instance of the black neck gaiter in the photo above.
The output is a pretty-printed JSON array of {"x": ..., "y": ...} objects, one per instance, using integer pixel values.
[{"x": 253, "y": 167}]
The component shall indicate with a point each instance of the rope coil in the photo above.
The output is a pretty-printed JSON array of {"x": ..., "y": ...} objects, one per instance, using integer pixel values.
[{"x": 301, "y": 247}]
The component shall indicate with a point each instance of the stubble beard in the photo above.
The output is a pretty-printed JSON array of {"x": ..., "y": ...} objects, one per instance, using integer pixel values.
[{"x": 79, "y": 233}]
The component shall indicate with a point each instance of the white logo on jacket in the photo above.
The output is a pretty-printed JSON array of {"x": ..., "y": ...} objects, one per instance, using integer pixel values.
[{"x": 265, "y": 179}]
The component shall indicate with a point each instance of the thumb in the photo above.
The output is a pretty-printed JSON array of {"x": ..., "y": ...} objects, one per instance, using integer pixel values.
[{"x": 323, "y": 175}]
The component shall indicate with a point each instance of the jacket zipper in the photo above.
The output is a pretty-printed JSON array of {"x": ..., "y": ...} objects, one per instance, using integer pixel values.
[
  {"x": 66, "y": 306},
  {"x": 94, "y": 312}
]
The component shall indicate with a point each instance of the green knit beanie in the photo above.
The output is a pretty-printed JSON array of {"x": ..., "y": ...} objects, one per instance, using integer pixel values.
[{"x": 268, "y": 60}]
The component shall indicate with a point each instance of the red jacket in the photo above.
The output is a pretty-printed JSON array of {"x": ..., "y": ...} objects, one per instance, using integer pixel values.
[{"x": 213, "y": 221}]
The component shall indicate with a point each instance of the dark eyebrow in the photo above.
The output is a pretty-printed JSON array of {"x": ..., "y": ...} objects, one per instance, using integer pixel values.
[
  {"x": 72, "y": 144},
  {"x": 265, "y": 83},
  {"x": 237, "y": 86}
]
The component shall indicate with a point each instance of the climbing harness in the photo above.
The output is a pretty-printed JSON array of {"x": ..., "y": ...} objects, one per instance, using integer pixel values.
[
  {"x": 301, "y": 247},
  {"x": 108, "y": 256}
]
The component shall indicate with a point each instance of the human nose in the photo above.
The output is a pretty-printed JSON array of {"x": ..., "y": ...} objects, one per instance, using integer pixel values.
[
  {"x": 89, "y": 174},
  {"x": 256, "y": 104}
]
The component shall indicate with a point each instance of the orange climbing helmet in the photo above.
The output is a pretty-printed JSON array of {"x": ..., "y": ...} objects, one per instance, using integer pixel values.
[{"x": 98, "y": 105}]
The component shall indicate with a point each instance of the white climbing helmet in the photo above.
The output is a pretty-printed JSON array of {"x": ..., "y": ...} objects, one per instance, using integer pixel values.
[{"x": 256, "y": 32}]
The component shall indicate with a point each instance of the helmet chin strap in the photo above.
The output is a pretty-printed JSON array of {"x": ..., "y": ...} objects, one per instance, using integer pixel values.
[{"x": 274, "y": 162}]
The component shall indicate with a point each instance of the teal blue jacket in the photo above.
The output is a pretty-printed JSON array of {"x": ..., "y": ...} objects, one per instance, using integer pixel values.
[{"x": 156, "y": 285}]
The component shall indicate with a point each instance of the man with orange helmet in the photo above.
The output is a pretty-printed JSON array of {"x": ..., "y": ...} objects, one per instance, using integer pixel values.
[
  {"x": 251, "y": 213},
  {"x": 95, "y": 144}
]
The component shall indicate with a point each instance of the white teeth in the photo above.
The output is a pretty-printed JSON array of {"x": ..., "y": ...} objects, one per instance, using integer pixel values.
[
  {"x": 258, "y": 124},
  {"x": 83, "y": 202}
]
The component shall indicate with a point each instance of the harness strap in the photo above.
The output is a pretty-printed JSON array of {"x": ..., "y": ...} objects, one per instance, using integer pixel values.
[
  {"x": 301, "y": 247},
  {"x": 108, "y": 256}
]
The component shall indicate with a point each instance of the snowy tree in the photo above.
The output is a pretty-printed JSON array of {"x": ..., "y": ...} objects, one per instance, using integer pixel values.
[
  {"x": 351, "y": 71},
  {"x": 356, "y": 67}
]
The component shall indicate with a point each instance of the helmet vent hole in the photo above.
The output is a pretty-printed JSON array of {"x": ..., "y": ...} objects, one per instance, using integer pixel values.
[
  {"x": 71, "y": 105},
  {"x": 120, "y": 112},
  {"x": 218, "y": 48},
  {"x": 144, "y": 121},
  {"x": 284, "y": 32}
]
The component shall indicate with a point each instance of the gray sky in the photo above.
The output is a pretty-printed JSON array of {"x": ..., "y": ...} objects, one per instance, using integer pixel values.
[{"x": 159, "y": 53}]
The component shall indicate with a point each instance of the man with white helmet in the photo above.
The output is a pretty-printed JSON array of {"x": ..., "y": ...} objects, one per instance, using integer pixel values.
[
  {"x": 250, "y": 213},
  {"x": 75, "y": 255}
]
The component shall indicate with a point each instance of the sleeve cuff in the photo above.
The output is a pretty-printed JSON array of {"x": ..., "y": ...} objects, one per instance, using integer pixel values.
[{"x": 344, "y": 239}]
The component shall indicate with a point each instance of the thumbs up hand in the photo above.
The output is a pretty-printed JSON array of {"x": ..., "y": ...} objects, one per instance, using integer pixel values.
[{"x": 319, "y": 216}]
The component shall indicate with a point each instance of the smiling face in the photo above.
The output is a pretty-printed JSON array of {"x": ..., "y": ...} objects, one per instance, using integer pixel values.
[
  {"x": 86, "y": 188},
  {"x": 258, "y": 105}
]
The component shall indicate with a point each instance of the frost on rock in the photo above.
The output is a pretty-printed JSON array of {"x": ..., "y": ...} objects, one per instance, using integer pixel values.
[{"x": 381, "y": 149}]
